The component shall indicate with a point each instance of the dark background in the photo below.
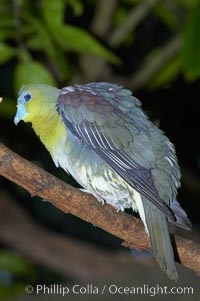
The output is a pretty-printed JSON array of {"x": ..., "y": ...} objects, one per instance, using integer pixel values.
[{"x": 170, "y": 96}]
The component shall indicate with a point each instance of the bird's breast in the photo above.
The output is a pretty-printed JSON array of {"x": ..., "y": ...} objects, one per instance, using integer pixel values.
[{"x": 92, "y": 173}]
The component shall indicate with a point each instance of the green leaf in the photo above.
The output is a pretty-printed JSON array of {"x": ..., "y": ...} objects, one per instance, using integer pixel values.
[
  {"x": 5, "y": 8},
  {"x": 7, "y": 22},
  {"x": 76, "y": 39},
  {"x": 167, "y": 16},
  {"x": 54, "y": 53},
  {"x": 71, "y": 37},
  {"x": 77, "y": 7},
  {"x": 130, "y": 2},
  {"x": 32, "y": 72},
  {"x": 5, "y": 34},
  {"x": 13, "y": 263},
  {"x": 166, "y": 74},
  {"x": 17, "y": 289},
  {"x": 187, "y": 5},
  {"x": 53, "y": 11},
  {"x": 191, "y": 46},
  {"x": 7, "y": 108},
  {"x": 6, "y": 52}
]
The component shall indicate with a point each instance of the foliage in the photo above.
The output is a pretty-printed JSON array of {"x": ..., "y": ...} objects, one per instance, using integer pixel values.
[
  {"x": 41, "y": 43},
  {"x": 191, "y": 47},
  {"x": 13, "y": 274},
  {"x": 60, "y": 42},
  {"x": 40, "y": 30}
]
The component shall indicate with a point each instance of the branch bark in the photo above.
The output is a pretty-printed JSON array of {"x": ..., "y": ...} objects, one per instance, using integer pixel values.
[
  {"x": 68, "y": 199},
  {"x": 149, "y": 68},
  {"x": 103, "y": 16},
  {"x": 133, "y": 18}
]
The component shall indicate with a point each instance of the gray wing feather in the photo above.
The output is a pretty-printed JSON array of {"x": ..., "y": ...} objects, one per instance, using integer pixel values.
[{"x": 99, "y": 116}]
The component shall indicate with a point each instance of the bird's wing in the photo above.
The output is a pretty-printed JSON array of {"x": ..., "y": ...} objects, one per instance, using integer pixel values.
[{"x": 96, "y": 115}]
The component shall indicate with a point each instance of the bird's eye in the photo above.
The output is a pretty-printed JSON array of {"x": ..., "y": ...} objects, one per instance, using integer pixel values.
[{"x": 27, "y": 97}]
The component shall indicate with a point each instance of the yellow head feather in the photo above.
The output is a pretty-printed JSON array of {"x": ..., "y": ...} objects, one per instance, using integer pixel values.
[{"x": 40, "y": 110}]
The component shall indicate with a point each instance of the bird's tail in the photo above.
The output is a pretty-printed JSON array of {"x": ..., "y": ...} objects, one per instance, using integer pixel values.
[
  {"x": 182, "y": 220},
  {"x": 156, "y": 223}
]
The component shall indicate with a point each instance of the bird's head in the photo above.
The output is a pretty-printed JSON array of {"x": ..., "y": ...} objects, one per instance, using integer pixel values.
[
  {"x": 22, "y": 104},
  {"x": 34, "y": 99}
]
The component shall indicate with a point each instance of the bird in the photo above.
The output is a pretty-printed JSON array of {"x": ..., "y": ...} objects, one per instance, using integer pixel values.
[{"x": 98, "y": 133}]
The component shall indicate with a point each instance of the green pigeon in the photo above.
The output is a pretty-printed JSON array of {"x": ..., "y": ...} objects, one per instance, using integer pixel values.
[{"x": 99, "y": 134}]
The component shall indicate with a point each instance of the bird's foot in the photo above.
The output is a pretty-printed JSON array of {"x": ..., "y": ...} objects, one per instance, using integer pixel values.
[
  {"x": 102, "y": 201},
  {"x": 117, "y": 206}
]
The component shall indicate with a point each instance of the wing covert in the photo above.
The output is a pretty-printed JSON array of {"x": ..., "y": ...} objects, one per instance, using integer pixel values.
[{"x": 95, "y": 119}]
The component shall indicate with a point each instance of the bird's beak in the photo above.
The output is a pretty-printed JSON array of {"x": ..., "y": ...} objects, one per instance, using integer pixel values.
[{"x": 21, "y": 112}]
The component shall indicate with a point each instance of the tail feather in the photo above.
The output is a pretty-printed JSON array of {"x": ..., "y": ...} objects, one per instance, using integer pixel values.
[
  {"x": 157, "y": 226},
  {"x": 181, "y": 217}
]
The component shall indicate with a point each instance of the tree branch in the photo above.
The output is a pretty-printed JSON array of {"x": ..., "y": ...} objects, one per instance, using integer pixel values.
[
  {"x": 100, "y": 26},
  {"x": 103, "y": 16},
  {"x": 133, "y": 18},
  {"x": 68, "y": 199},
  {"x": 150, "y": 67}
]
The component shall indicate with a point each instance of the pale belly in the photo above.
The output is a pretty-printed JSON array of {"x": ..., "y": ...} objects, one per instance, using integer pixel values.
[{"x": 96, "y": 176}]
